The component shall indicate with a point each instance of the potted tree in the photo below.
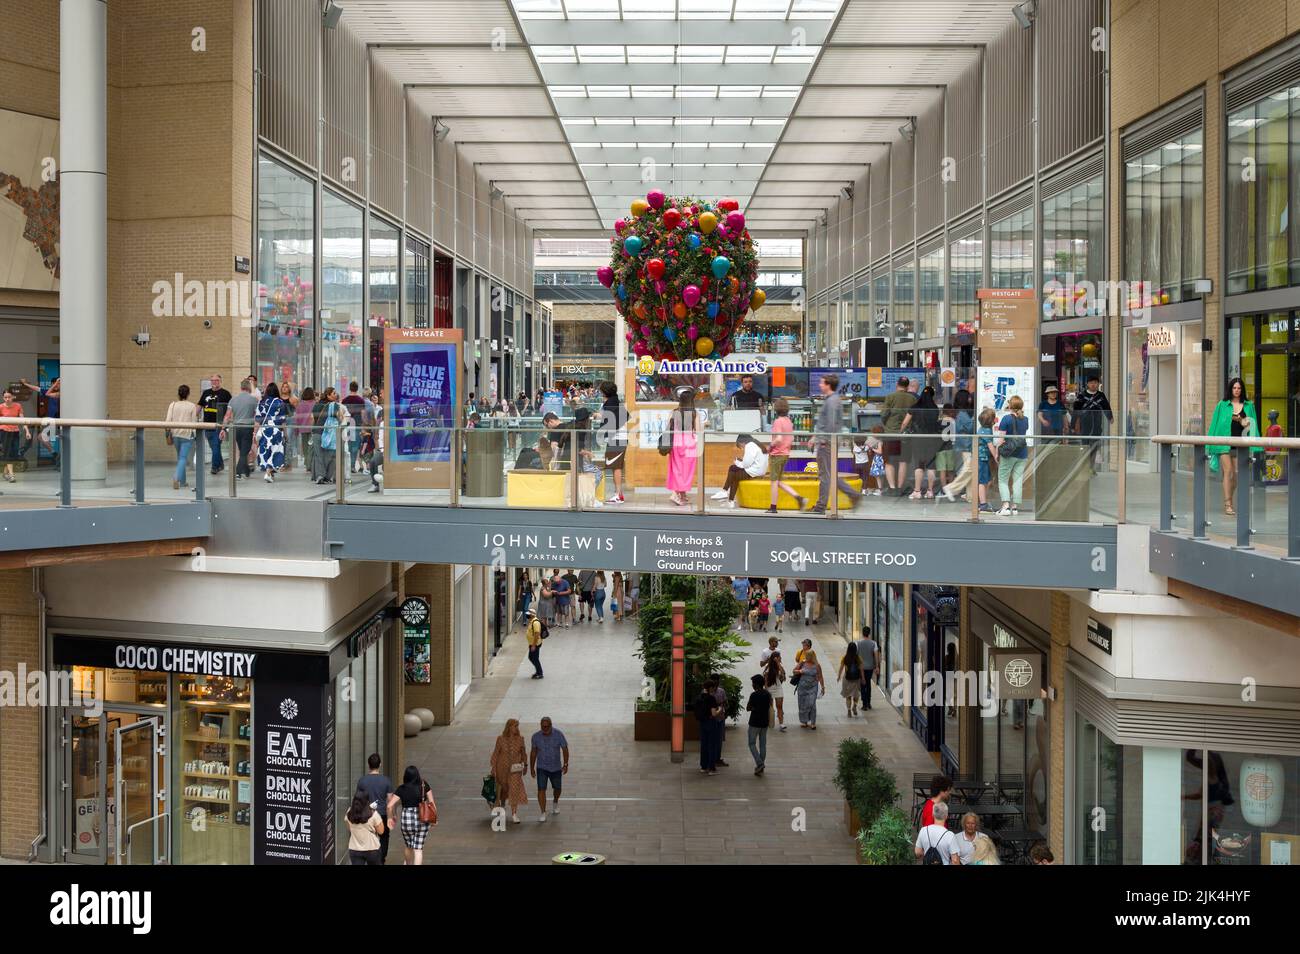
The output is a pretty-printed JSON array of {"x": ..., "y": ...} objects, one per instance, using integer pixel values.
[{"x": 888, "y": 841}]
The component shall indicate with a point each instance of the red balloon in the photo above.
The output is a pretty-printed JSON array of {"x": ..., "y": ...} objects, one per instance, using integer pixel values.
[
  {"x": 672, "y": 218},
  {"x": 655, "y": 268},
  {"x": 728, "y": 205}
]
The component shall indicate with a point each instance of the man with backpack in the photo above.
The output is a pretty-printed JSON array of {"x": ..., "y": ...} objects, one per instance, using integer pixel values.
[
  {"x": 935, "y": 844},
  {"x": 536, "y": 633}
]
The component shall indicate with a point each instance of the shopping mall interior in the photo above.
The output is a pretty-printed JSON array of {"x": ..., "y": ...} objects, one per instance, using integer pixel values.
[{"x": 488, "y": 387}]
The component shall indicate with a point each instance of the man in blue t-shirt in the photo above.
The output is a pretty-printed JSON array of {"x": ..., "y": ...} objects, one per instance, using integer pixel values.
[
  {"x": 546, "y": 765},
  {"x": 1051, "y": 412},
  {"x": 563, "y": 592},
  {"x": 740, "y": 590}
]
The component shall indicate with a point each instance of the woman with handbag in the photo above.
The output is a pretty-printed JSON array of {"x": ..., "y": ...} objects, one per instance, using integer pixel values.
[
  {"x": 412, "y": 809},
  {"x": 270, "y": 417},
  {"x": 1234, "y": 416},
  {"x": 184, "y": 411},
  {"x": 509, "y": 761},
  {"x": 326, "y": 416},
  {"x": 810, "y": 683}
]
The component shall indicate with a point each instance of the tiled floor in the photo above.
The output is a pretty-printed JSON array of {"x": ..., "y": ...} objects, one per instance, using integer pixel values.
[{"x": 626, "y": 800}]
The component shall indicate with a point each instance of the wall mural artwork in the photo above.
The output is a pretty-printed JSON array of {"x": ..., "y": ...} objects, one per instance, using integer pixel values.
[{"x": 29, "y": 204}]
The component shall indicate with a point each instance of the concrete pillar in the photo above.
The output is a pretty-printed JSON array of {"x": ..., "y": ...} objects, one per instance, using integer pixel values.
[{"x": 83, "y": 226}]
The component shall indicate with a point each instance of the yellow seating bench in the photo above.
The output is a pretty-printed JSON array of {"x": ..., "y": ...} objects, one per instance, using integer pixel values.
[
  {"x": 547, "y": 489},
  {"x": 756, "y": 493}
]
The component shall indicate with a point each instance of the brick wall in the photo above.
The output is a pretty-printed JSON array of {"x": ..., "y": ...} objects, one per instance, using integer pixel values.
[{"x": 20, "y": 743}]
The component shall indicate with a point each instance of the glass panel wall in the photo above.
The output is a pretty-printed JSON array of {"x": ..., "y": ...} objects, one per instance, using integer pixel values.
[
  {"x": 965, "y": 276},
  {"x": 862, "y": 319},
  {"x": 341, "y": 292},
  {"x": 415, "y": 310},
  {"x": 285, "y": 250},
  {"x": 1073, "y": 224},
  {"x": 1011, "y": 250},
  {"x": 1164, "y": 221},
  {"x": 930, "y": 324},
  {"x": 1263, "y": 241},
  {"x": 903, "y": 313},
  {"x": 880, "y": 303},
  {"x": 385, "y": 264}
]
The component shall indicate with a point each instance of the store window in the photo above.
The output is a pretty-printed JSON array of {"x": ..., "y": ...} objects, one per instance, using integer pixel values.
[
  {"x": 903, "y": 312},
  {"x": 1164, "y": 221},
  {"x": 285, "y": 264},
  {"x": 385, "y": 264},
  {"x": 1011, "y": 250},
  {"x": 1262, "y": 237},
  {"x": 1138, "y": 389},
  {"x": 1264, "y": 351},
  {"x": 965, "y": 276},
  {"x": 862, "y": 327},
  {"x": 212, "y": 768},
  {"x": 894, "y": 608},
  {"x": 1073, "y": 225},
  {"x": 880, "y": 304},
  {"x": 416, "y": 307},
  {"x": 342, "y": 275},
  {"x": 930, "y": 324}
]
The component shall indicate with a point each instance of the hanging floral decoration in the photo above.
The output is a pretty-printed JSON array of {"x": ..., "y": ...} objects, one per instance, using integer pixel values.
[{"x": 683, "y": 274}]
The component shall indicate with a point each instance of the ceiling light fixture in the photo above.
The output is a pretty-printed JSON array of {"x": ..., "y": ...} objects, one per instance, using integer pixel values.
[
  {"x": 908, "y": 130},
  {"x": 496, "y": 193},
  {"x": 1025, "y": 13},
  {"x": 846, "y": 192},
  {"x": 331, "y": 13},
  {"x": 440, "y": 129}
]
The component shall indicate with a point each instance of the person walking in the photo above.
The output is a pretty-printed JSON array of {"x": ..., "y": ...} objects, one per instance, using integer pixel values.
[
  {"x": 563, "y": 591},
  {"x": 586, "y": 595},
  {"x": 302, "y": 420},
  {"x": 759, "y": 708},
  {"x": 1013, "y": 456},
  {"x": 598, "y": 597},
  {"x": 892, "y": 415},
  {"x": 869, "y": 656},
  {"x": 935, "y": 844},
  {"x": 964, "y": 430},
  {"x": 613, "y": 433},
  {"x": 526, "y": 596},
  {"x": 355, "y": 405},
  {"x": 684, "y": 433},
  {"x": 922, "y": 419},
  {"x": 183, "y": 411},
  {"x": 720, "y": 696},
  {"x": 1092, "y": 415},
  {"x": 810, "y": 683},
  {"x": 1234, "y": 416},
  {"x": 9, "y": 434},
  {"x": 404, "y": 811},
  {"x": 849, "y": 675},
  {"x": 826, "y": 444},
  {"x": 546, "y": 601},
  {"x": 214, "y": 406},
  {"x": 534, "y": 636},
  {"x": 616, "y": 595},
  {"x": 545, "y": 763},
  {"x": 707, "y": 712},
  {"x": 1051, "y": 414},
  {"x": 940, "y": 793},
  {"x": 270, "y": 418},
  {"x": 509, "y": 759},
  {"x": 377, "y": 787},
  {"x": 774, "y": 683},
  {"x": 793, "y": 604},
  {"x": 364, "y": 830},
  {"x": 779, "y": 453},
  {"x": 242, "y": 416},
  {"x": 811, "y": 599},
  {"x": 327, "y": 419}
]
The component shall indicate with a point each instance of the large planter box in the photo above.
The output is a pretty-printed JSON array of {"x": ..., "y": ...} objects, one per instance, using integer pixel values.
[
  {"x": 658, "y": 727},
  {"x": 851, "y": 820}
]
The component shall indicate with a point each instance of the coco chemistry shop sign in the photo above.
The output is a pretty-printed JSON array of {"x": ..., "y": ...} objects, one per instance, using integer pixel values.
[{"x": 204, "y": 662}]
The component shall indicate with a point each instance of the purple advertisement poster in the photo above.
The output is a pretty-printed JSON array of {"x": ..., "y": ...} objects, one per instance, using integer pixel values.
[{"x": 423, "y": 408}]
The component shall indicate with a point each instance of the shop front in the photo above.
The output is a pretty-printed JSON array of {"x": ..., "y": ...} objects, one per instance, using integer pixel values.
[
  {"x": 1068, "y": 359},
  {"x": 1011, "y": 740},
  {"x": 935, "y": 635},
  {"x": 1163, "y": 374},
  {"x": 887, "y": 629},
  {"x": 1178, "y": 783},
  {"x": 217, "y": 748}
]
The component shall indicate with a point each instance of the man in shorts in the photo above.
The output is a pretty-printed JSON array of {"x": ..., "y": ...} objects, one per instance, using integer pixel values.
[
  {"x": 545, "y": 764},
  {"x": 613, "y": 431}
]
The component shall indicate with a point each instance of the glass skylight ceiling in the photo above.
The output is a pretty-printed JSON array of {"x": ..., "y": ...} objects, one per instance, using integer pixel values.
[{"x": 717, "y": 108}]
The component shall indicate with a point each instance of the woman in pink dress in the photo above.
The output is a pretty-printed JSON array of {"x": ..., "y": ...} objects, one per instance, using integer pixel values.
[{"x": 685, "y": 427}]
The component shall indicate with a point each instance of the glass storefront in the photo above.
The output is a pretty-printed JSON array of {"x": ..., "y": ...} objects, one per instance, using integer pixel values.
[
  {"x": 342, "y": 277},
  {"x": 880, "y": 303},
  {"x": 965, "y": 276},
  {"x": 903, "y": 312},
  {"x": 1264, "y": 351},
  {"x": 1166, "y": 806},
  {"x": 1164, "y": 220},
  {"x": 1074, "y": 222},
  {"x": 1068, "y": 360},
  {"x": 285, "y": 262},
  {"x": 1011, "y": 250},
  {"x": 415, "y": 310},
  {"x": 930, "y": 323},
  {"x": 862, "y": 327},
  {"x": 1262, "y": 240}
]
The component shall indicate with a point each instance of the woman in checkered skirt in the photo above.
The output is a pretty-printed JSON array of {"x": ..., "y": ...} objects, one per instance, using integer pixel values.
[{"x": 407, "y": 799}]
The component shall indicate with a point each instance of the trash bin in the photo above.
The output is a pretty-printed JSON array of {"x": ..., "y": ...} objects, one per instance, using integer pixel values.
[
  {"x": 578, "y": 858},
  {"x": 485, "y": 462},
  {"x": 1063, "y": 483}
]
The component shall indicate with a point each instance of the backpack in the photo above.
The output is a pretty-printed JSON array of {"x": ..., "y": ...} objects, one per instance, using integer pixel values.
[
  {"x": 329, "y": 435},
  {"x": 932, "y": 855},
  {"x": 546, "y": 630}
]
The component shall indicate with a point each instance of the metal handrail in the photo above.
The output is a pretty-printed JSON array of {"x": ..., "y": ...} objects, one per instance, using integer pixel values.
[
  {"x": 133, "y": 425},
  {"x": 1196, "y": 440}
]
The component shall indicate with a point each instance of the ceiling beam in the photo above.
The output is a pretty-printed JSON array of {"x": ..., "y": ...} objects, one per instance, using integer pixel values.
[
  {"x": 694, "y": 107},
  {"x": 679, "y": 74},
  {"x": 691, "y": 32}
]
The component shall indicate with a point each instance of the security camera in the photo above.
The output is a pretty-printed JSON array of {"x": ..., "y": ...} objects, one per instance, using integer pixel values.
[
  {"x": 207, "y": 322},
  {"x": 141, "y": 337}
]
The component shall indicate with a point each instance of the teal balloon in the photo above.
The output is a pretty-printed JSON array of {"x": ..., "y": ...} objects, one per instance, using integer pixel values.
[
  {"x": 632, "y": 245},
  {"x": 713, "y": 309},
  {"x": 721, "y": 265},
  {"x": 694, "y": 240}
]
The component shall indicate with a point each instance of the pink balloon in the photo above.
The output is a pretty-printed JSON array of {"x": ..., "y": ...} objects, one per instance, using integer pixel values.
[
  {"x": 661, "y": 286},
  {"x": 620, "y": 225},
  {"x": 691, "y": 295},
  {"x": 692, "y": 332},
  {"x": 646, "y": 330},
  {"x": 735, "y": 221},
  {"x": 630, "y": 336},
  {"x": 640, "y": 349},
  {"x": 605, "y": 275},
  {"x": 655, "y": 198}
]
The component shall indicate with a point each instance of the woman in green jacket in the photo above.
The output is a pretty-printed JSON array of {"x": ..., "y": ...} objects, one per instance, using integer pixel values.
[{"x": 1234, "y": 416}]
